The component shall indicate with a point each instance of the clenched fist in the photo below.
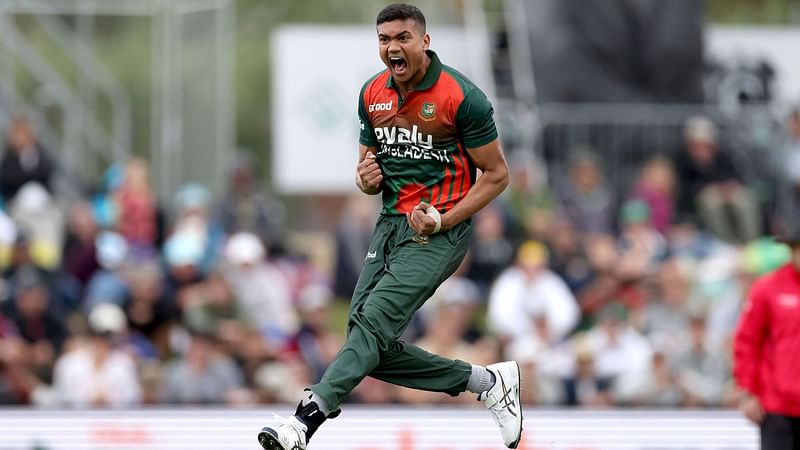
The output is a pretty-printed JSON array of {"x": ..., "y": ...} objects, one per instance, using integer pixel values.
[{"x": 369, "y": 175}]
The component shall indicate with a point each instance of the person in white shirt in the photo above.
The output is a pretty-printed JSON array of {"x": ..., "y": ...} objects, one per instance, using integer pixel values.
[
  {"x": 95, "y": 373},
  {"x": 527, "y": 289}
]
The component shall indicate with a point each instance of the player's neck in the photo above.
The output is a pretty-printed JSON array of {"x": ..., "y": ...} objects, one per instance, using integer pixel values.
[{"x": 403, "y": 88}]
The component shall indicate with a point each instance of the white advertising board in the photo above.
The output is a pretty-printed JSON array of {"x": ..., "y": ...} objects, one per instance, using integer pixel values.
[
  {"x": 779, "y": 46},
  {"x": 376, "y": 428},
  {"x": 317, "y": 74}
]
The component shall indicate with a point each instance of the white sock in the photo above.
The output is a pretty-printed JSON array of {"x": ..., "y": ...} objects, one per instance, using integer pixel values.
[
  {"x": 310, "y": 396},
  {"x": 480, "y": 380}
]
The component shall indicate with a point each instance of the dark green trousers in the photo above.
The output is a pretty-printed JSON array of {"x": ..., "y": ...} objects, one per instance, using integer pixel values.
[{"x": 398, "y": 275}]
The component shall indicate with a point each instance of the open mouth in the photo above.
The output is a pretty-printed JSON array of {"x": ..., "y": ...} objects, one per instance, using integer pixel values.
[{"x": 398, "y": 64}]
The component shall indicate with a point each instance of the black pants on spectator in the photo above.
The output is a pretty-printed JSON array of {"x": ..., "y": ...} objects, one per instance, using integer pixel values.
[{"x": 780, "y": 432}]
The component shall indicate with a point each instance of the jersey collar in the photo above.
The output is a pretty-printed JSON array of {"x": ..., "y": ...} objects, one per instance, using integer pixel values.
[{"x": 434, "y": 69}]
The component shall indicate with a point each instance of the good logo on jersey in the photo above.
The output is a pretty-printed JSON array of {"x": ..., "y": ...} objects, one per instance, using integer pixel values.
[
  {"x": 401, "y": 142},
  {"x": 428, "y": 111}
]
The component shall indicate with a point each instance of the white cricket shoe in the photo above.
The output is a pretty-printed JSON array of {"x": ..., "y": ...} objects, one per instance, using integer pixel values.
[
  {"x": 502, "y": 400},
  {"x": 289, "y": 435}
]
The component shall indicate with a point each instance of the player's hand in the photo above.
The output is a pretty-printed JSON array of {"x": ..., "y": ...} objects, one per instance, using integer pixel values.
[
  {"x": 369, "y": 174},
  {"x": 420, "y": 221},
  {"x": 751, "y": 407}
]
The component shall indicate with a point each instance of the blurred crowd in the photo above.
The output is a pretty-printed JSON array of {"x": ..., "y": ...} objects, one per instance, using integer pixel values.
[{"x": 121, "y": 299}]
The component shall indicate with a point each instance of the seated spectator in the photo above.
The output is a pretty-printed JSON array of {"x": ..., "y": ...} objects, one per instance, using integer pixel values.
[
  {"x": 43, "y": 330},
  {"x": 528, "y": 201},
  {"x": 713, "y": 189},
  {"x": 490, "y": 251},
  {"x": 201, "y": 375},
  {"x": 193, "y": 216},
  {"x": 619, "y": 350},
  {"x": 95, "y": 374},
  {"x": 641, "y": 246},
  {"x": 583, "y": 196},
  {"x": 24, "y": 160},
  {"x": 586, "y": 387},
  {"x": 568, "y": 258},
  {"x": 547, "y": 360},
  {"x": 703, "y": 372},
  {"x": 316, "y": 343},
  {"x": 655, "y": 387},
  {"x": 528, "y": 288},
  {"x": 353, "y": 235},
  {"x": 656, "y": 188},
  {"x": 148, "y": 312},
  {"x": 108, "y": 283},
  {"x": 80, "y": 251},
  {"x": 137, "y": 208},
  {"x": 34, "y": 211},
  {"x": 247, "y": 207},
  {"x": 664, "y": 319},
  {"x": 261, "y": 290}
]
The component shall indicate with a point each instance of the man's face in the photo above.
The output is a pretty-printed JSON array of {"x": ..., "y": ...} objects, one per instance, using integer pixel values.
[{"x": 402, "y": 48}]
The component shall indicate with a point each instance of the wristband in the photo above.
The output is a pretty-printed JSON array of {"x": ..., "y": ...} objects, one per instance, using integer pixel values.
[{"x": 434, "y": 214}]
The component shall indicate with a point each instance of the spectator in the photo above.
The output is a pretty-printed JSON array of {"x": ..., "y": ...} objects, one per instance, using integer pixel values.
[
  {"x": 24, "y": 160},
  {"x": 136, "y": 207},
  {"x": 656, "y": 187},
  {"x": 586, "y": 387},
  {"x": 80, "y": 251},
  {"x": 528, "y": 201},
  {"x": 701, "y": 370},
  {"x": 713, "y": 189},
  {"x": 568, "y": 258},
  {"x": 34, "y": 211},
  {"x": 583, "y": 196},
  {"x": 95, "y": 373},
  {"x": 490, "y": 251},
  {"x": 32, "y": 314},
  {"x": 315, "y": 342},
  {"x": 261, "y": 290},
  {"x": 202, "y": 375},
  {"x": 641, "y": 247},
  {"x": 108, "y": 283},
  {"x": 192, "y": 216},
  {"x": 247, "y": 207},
  {"x": 528, "y": 288},
  {"x": 655, "y": 387},
  {"x": 619, "y": 350},
  {"x": 148, "y": 312},
  {"x": 353, "y": 234}
]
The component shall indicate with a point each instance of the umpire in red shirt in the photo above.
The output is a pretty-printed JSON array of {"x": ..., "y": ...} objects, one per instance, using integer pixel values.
[{"x": 767, "y": 354}]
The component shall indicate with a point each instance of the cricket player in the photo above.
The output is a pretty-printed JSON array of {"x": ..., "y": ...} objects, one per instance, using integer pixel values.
[{"x": 425, "y": 130}]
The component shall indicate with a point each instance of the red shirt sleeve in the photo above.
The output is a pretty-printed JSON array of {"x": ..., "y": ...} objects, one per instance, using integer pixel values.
[{"x": 750, "y": 338}]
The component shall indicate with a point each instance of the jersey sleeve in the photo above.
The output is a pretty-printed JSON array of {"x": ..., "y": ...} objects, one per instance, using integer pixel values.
[
  {"x": 750, "y": 339},
  {"x": 475, "y": 119},
  {"x": 367, "y": 133}
]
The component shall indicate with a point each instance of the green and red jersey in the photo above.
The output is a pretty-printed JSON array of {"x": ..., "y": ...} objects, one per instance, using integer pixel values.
[{"x": 422, "y": 138}]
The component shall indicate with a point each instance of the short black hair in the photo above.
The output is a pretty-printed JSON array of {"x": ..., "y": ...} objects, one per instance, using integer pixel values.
[{"x": 401, "y": 11}]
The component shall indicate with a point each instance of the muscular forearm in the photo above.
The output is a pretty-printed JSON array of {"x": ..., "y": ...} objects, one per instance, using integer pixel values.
[{"x": 490, "y": 184}]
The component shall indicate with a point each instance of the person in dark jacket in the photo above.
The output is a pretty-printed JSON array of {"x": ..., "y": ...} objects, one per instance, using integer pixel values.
[
  {"x": 767, "y": 354},
  {"x": 24, "y": 160},
  {"x": 712, "y": 188}
]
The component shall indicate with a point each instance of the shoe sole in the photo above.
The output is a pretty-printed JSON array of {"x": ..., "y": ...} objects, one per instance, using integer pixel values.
[
  {"x": 519, "y": 395},
  {"x": 268, "y": 440}
]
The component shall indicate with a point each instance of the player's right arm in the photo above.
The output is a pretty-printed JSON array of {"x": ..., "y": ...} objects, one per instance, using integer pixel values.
[
  {"x": 369, "y": 177},
  {"x": 749, "y": 343}
]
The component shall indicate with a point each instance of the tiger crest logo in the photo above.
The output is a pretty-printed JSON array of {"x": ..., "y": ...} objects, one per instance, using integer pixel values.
[{"x": 428, "y": 112}]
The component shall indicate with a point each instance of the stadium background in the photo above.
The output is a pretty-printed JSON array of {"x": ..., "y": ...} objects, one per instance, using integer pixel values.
[{"x": 613, "y": 268}]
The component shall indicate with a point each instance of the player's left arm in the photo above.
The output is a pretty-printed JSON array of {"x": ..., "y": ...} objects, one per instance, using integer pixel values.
[{"x": 493, "y": 180}]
